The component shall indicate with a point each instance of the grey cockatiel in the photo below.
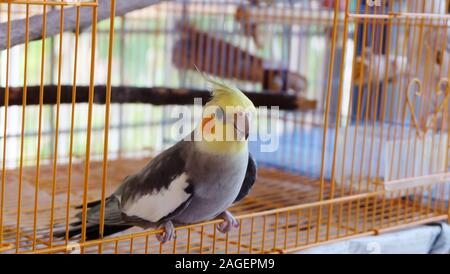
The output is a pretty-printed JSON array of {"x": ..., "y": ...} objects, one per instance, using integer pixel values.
[{"x": 192, "y": 181}]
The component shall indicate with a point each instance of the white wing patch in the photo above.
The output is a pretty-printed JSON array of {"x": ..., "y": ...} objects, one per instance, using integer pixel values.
[{"x": 158, "y": 204}]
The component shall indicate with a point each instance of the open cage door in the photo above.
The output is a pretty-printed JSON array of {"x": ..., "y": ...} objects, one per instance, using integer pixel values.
[
  {"x": 396, "y": 127},
  {"x": 390, "y": 112}
]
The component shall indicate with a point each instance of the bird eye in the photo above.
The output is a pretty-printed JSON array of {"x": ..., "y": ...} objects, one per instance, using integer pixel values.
[{"x": 219, "y": 113}]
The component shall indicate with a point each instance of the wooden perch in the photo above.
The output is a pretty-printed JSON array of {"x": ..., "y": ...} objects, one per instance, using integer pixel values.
[
  {"x": 153, "y": 95},
  {"x": 17, "y": 35}
]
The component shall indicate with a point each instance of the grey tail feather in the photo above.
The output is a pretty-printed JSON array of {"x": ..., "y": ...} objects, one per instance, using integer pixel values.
[
  {"x": 89, "y": 205},
  {"x": 92, "y": 231}
]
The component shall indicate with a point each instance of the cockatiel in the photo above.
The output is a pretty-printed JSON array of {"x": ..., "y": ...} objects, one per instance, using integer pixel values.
[{"x": 193, "y": 181}]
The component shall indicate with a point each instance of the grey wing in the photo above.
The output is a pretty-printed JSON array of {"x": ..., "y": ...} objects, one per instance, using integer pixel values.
[
  {"x": 249, "y": 179},
  {"x": 162, "y": 189}
]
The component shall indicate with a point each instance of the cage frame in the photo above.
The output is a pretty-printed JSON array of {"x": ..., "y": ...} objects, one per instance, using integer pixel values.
[{"x": 321, "y": 207}]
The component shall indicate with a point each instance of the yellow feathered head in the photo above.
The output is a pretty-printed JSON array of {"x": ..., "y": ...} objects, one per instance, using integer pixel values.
[{"x": 226, "y": 117}]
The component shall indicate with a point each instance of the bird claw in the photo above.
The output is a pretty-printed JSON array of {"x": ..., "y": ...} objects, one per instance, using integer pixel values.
[
  {"x": 168, "y": 234},
  {"x": 228, "y": 223}
]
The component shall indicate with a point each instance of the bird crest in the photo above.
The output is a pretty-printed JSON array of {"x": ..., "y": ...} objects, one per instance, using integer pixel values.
[{"x": 225, "y": 95}]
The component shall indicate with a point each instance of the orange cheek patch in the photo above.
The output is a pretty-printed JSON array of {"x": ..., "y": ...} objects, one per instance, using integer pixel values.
[{"x": 206, "y": 121}]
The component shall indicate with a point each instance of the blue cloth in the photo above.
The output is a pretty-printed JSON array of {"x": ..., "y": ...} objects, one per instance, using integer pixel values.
[{"x": 299, "y": 151}]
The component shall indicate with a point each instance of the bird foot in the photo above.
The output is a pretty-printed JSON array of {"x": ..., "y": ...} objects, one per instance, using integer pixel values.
[
  {"x": 228, "y": 223},
  {"x": 168, "y": 234}
]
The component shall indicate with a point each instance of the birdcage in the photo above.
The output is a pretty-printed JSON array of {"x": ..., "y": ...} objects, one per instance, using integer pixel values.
[{"x": 356, "y": 96}]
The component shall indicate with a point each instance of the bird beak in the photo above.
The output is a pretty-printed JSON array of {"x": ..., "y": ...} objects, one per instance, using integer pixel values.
[{"x": 242, "y": 124}]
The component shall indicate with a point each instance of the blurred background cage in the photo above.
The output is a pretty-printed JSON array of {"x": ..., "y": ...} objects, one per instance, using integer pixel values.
[{"x": 361, "y": 137}]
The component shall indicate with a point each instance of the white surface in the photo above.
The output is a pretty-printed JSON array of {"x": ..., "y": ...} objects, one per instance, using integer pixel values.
[
  {"x": 421, "y": 240},
  {"x": 384, "y": 154}
]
